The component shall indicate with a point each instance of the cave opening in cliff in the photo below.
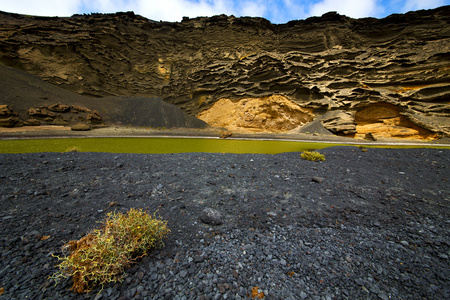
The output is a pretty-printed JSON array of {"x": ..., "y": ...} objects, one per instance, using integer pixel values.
[{"x": 384, "y": 120}]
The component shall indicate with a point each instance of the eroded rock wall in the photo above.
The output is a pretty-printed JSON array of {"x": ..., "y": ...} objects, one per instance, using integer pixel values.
[
  {"x": 331, "y": 63},
  {"x": 267, "y": 114}
]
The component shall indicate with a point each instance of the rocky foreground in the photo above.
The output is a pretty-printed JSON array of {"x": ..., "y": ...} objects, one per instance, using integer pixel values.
[{"x": 360, "y": 225}]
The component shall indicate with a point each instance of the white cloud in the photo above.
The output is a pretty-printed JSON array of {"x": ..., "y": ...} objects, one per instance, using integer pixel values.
[
  {"x": 174, "y": 10},
  {"x": 285, "y": 10},
  {"x": 350, "y": 8},
  {"x": 422, "y": 4},
  {"x": 167, "y": 10},
  {"x": 252, "y": 8},
  {"x": 40, "y": 8},
  {"x": 277, "y": 11},
  {"x": 109, "y": 6}
]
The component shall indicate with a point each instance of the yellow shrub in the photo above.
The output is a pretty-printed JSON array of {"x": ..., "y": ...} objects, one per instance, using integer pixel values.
[
  {"x": 312, "y": 156},
  {"x": 102, "y": 255},
  {"x": 73, "y": 149}
]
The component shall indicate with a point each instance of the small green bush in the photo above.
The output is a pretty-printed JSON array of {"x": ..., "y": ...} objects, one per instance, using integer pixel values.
[
  {"x": 102, "y": 256},
  {"x": 73, "y": 149},
  {"x": 312, "y": 156}
]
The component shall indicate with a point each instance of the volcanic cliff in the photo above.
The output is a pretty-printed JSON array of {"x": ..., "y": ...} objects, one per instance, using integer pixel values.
[{"x": 356, "y": 77}]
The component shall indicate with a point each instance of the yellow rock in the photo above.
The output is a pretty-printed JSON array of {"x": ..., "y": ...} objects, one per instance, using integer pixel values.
[
  {"x": 267, "y": 114},
  {"x": 383, "y": 120}
]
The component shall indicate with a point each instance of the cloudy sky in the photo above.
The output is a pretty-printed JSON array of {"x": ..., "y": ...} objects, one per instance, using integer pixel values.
[{"x": 277, "y": 11}]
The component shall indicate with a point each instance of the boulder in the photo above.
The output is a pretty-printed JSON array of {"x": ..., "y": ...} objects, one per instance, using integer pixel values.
[
  {"x": 9, "y": 121},
  {"x": 32, "y": 122},
  {"x": 94, "y": 117},
  {"x": 59, "y": 120},
  {"x": 8, "y": 118},
  {"x": 41, "y": 113},
  {"x": 211, "y": 216},
  {"x": 5, "y": 111},
  {"x": 81, "y": 127},
  {"x": 339, "y": 122},
  {"x": 369, "y": 136},
  {"x": 79, "y": 108},
  {"x": 225, "y": 134},
  {"x": 59, "y": 108}
]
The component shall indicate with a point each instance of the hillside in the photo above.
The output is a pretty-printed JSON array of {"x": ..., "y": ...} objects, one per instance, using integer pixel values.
[
  {"x": 385, "y": 77},
  {"x": 37, "y": 102}
]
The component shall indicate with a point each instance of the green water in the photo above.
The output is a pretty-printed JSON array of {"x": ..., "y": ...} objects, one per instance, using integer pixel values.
[
  {"x": 155, "y": 145},
  {"x": 162, "y": 145}
]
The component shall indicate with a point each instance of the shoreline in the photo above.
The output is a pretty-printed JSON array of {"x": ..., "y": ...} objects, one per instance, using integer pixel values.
[{"x": 55, "y": 132}]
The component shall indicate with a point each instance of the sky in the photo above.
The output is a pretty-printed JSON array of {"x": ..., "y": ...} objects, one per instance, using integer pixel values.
[{"x": 276, "y": 11}]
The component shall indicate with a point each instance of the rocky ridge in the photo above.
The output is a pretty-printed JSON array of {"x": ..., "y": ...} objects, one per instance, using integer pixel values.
[{"x": 327, "y": 64}]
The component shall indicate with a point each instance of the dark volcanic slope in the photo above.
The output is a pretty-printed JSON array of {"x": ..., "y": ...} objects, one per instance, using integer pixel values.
[
  {"x": 22, "y": 91},
  {"x": 327, "y": 63},
  {"x": 361, "y": 225}
]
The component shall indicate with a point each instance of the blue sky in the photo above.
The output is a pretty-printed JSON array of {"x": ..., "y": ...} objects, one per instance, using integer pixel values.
[{"x": 277, "y": 11}]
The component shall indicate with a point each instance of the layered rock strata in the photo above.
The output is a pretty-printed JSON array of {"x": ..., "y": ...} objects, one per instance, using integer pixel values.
[
  {"x": 331, "y": 63},
  {"x": 8, "y": 117},
  {"x": 61, "y": 114}
]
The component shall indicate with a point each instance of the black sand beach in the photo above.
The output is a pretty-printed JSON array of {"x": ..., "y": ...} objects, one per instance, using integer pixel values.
[{"x": 360, "y": 225}]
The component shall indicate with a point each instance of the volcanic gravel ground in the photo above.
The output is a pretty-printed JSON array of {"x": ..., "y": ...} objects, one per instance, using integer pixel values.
[{"x": 361, "y": 225}]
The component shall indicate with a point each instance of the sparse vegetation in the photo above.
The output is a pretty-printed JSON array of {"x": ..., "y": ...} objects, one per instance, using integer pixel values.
[
  {"x": 73, "y": 149},
  {"x": 102, "y": 256},
  {"x": 363, "y": 148},
  {"x": 312, "y": 156}
]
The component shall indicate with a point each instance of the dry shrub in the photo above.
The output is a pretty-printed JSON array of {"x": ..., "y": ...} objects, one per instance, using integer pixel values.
[
  {"x": 312, "y": 156},
  {"x": 102, "y": 256},
  {"x": 73, "y": 149}
]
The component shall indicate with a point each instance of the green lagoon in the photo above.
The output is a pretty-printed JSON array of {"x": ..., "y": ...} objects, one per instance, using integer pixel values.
[{"x": 164, "y": 145}]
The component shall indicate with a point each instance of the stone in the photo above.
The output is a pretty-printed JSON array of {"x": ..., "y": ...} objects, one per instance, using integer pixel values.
[
  {"x": 32, "y": 122},
  {"x": 8, "y": 118},
  {"x": 211, "y": 216},
  {"x": 317, "y": 179},
  {"x": 58, "y": 108},
  {"x": 9, "y": 121},
  {"x": 369, "y": 136},
  {"x": 59, "y": 120},
  {"x": 226, "y": 134},
  {"x": 81, "y": 127},
  {"x": 94, "y": 117},
  {"x": 41, "y": 113},
  {"x": 79, "y": 108},
  {"x": 339, "y": 122}
]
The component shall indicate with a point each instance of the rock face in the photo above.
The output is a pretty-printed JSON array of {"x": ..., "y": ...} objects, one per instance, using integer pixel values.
[
  {"x": 268, "y": 114},
  {"x": 329, "y": 63}
]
